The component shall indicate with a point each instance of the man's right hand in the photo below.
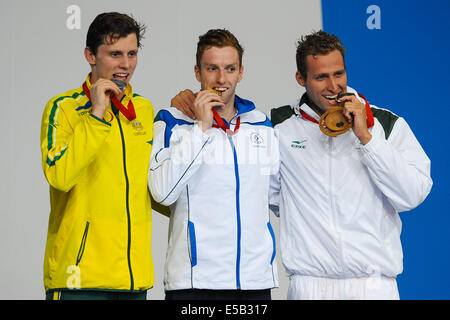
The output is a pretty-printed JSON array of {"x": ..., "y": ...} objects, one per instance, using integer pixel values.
[
  {"x": 203, "y": 104},
  {"x": 100, "y": 91}
]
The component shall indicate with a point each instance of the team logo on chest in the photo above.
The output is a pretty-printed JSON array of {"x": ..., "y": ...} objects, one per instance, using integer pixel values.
[
  {"x": 138, "y": 128},
  {"x": 297, "y": 144},
  {"x": 257, "y": 140}
]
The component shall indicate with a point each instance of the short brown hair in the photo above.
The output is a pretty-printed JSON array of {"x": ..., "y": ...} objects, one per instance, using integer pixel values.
[
  {"x": 217, "y": 38},
  {"x": 316, "y": 43},
  {"x": 108, "y": 27}
]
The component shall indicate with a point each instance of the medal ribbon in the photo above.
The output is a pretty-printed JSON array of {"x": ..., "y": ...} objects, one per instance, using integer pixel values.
[
  {"x": 221, "y": 124},
  {"x": 370, "y": 120},
  {"x": 308, "y": 117},
  {"x": 128, "y": 112}
]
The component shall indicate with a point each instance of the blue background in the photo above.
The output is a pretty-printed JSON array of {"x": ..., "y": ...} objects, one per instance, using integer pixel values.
[{"x": 405, "y": 67}]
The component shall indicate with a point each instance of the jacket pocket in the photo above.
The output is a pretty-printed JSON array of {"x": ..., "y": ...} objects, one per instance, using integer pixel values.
[
  {"x": 83, "y": 243},
  {"x": 272, "y": 234},
  {"x": 193, "y": 245}
]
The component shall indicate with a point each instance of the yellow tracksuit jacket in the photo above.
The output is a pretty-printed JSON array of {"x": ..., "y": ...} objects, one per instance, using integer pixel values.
[{"x": 99, "y": 231}]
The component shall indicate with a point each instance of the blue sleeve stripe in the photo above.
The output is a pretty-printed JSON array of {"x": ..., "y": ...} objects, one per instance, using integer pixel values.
[
  {"x": 193, "y": 243},
  {"x": 171, "y": 121},
  {"x": 272, "y": 234}
]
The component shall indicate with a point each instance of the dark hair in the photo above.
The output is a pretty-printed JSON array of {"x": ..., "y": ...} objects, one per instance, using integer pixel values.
[
  {"x": 217, "y": 38},
  {"x": 108, "y": 27},
  {"x": 316, "y": 43}
]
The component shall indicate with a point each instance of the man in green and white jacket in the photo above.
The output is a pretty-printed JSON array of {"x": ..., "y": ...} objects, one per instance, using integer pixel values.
[{"x": 339, "y": 197}]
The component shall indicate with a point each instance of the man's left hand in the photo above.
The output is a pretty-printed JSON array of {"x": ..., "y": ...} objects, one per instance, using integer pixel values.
[{"x": 355, "y": 111}]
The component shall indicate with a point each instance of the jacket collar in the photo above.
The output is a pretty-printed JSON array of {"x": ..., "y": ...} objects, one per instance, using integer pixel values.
[
  {"x": 303, "y": 104},
  {"x": 243, "y": 105}
]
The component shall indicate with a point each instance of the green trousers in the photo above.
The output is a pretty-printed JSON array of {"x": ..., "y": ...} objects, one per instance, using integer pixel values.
[{"x": 94, "y": 295}]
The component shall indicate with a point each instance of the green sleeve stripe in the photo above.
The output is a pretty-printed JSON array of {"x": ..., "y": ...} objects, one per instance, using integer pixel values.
[
  {"x": 53, "y": 115},
  {"x": 52, "y": 127},
  {"x": 386, "y": 118},
  {"x": 51, "y": 162},
  {"x": 278, "y": 115}
]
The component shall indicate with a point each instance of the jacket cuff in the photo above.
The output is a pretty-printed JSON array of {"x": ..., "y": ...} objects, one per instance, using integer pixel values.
[
  {"x": 371, "y": 146},
  {"x": 197, "y": 133}
]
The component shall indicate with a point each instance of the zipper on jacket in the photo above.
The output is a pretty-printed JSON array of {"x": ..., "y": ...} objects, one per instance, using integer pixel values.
[
  {"x": 127, "y": 193},
  {"x": 238, "y": 216},
  {"x": 332, "y": 207},
  {"x": 83, "y": 244}
]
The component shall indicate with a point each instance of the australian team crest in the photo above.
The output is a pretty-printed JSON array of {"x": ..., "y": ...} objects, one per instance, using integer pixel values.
[{"x": 138, "y": 127}]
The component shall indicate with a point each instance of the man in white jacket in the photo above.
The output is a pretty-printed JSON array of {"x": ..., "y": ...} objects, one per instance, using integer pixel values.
[
  {"x": 214, "y": 173},
  {"x": 339, "y": 197}
]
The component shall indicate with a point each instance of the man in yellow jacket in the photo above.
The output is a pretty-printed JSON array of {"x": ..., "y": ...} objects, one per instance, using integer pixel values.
[{"x": 96, "y": 143}]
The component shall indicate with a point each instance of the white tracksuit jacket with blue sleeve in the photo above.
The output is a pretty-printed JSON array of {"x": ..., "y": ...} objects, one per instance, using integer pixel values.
[{"x": 217, "y": 187}]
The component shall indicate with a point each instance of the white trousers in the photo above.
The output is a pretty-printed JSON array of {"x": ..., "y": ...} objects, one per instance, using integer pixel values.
[{"x": 371, "y": 288}]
